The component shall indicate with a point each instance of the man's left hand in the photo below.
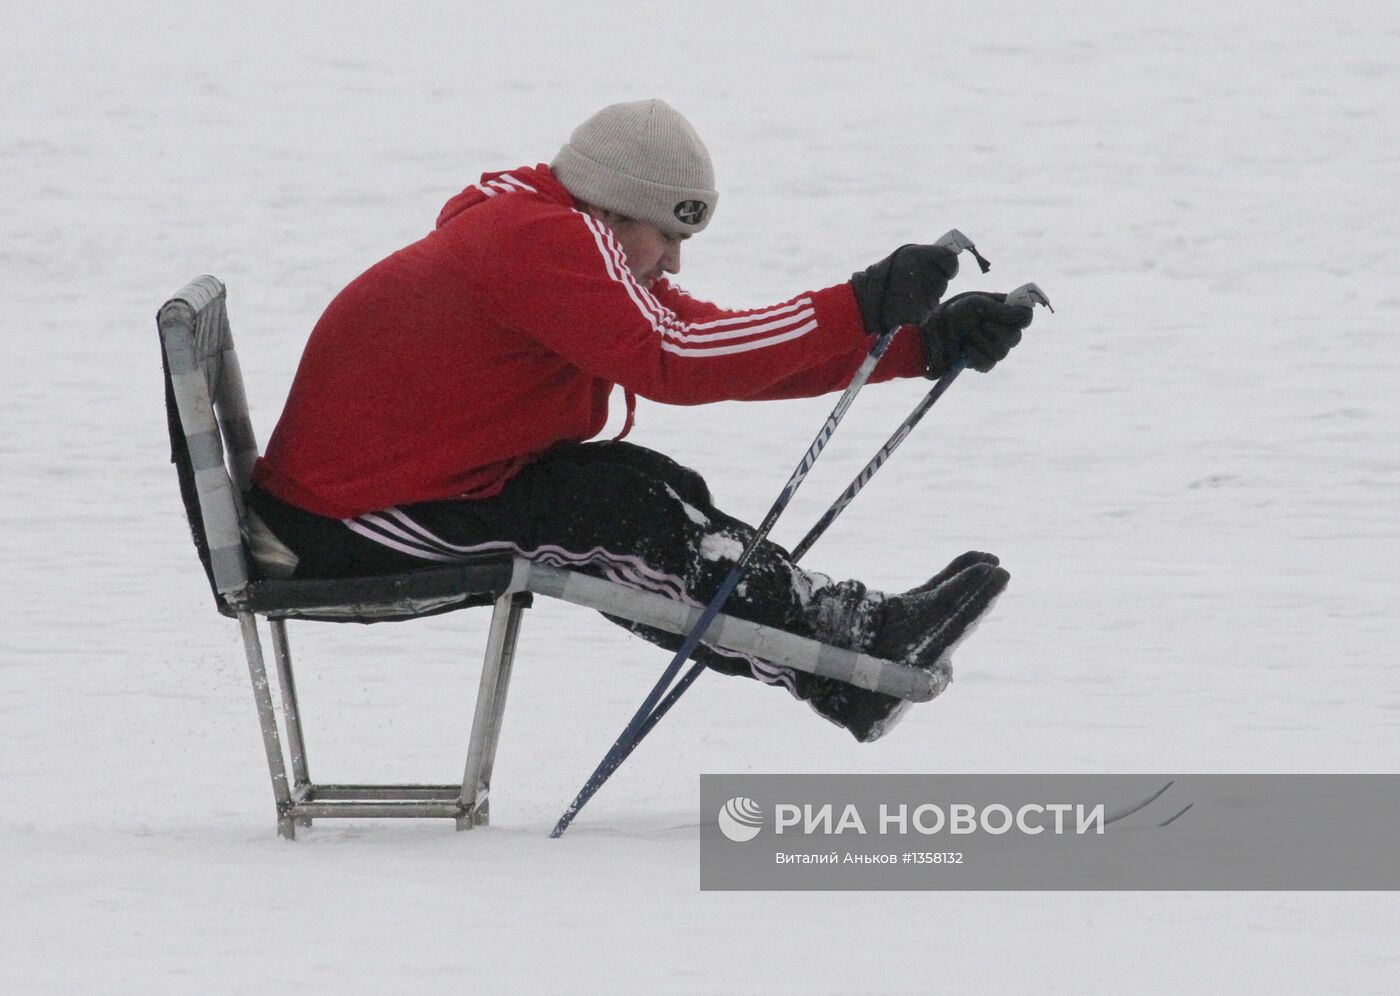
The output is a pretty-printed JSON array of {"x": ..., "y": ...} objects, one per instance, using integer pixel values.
[{"x": 978, "y": 327}]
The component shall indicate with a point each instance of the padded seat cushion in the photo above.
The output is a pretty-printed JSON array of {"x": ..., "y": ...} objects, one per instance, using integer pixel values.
[{"x": 386, "y": 598}]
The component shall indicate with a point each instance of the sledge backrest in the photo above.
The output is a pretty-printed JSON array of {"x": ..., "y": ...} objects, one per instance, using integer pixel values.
[{"x": 211, "y": 437}]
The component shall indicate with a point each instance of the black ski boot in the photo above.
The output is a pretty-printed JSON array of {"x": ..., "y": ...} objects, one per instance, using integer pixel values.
[
  {"x": 955, "y": 567},
  {"x": 921, "y": 627},
  {"x": 925, "y": 625}
]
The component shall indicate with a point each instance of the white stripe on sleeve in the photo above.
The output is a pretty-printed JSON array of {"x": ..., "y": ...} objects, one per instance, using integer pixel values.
[{"x": 761, "y": 328}]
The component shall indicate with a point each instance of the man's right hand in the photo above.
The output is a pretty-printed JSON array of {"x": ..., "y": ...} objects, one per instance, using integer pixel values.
[
  {"x": 976, "y": 328},
  {"x": 904, "y": 287}
]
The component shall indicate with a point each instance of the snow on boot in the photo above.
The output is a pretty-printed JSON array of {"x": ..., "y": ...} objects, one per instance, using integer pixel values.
[
  {"x": 848, "y": 614},
  {"x": 921, "y": 627},
  {"x": 845, "y": 614}
]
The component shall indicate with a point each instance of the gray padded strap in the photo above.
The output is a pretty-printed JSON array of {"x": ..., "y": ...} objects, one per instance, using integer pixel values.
[
  {"x": 232, "y": 405},
  {"x": 204, "y": 370},
  {"x": 730, "y": 633}
]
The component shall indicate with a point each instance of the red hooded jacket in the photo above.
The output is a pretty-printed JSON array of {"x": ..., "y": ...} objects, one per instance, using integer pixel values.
[{"x": 442, "y": 370}]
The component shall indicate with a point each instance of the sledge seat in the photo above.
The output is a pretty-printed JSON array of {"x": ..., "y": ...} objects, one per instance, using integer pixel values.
[
  {"x": 384, "y": 598},
  {"x": 213, "y": 448}
]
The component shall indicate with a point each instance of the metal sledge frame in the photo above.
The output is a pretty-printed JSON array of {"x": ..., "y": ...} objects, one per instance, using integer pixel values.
[
  {"x": 213, "y": 447},
  {"x": 301, "y": 800}
]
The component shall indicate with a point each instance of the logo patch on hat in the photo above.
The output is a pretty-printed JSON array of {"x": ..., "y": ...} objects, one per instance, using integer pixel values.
[{"x": 691, "y": 212}]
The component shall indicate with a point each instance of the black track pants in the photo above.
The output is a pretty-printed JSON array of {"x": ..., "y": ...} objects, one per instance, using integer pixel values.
[{"x": 610, "y": 509}]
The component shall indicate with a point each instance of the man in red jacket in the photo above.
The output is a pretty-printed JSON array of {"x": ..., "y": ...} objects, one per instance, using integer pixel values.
[{"x": 444, "y": 400}]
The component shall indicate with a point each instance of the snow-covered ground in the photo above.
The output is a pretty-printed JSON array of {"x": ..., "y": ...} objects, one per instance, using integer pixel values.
[{"x": 1191, "y": 471}]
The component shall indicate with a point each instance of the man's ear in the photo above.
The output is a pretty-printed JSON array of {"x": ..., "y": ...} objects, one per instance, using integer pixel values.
[
  {"x": 600, "y": 214},
  {"x": 610, "y": 218}
]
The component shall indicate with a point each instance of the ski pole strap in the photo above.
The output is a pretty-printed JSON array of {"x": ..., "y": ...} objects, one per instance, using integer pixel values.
[{"x": 957, "y": 242}]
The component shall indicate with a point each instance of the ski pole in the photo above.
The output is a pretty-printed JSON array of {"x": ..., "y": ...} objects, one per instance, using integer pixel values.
[
  {"x": 1027, "y": 295},
  {"x": 623, "y": 745},
  {"x": 953, "y": 240}
]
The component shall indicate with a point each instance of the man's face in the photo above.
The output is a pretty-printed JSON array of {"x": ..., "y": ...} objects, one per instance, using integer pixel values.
[{"x": 651, "y": 253}]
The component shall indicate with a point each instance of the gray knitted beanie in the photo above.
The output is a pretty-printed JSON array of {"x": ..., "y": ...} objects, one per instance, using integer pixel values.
[{"x": 642, "y": 160}]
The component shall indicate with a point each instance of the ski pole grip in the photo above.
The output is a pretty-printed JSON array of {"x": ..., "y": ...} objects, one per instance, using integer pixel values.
[
  {"x": 955, "y": 241},
  {"x": 1028, "y": 296}
]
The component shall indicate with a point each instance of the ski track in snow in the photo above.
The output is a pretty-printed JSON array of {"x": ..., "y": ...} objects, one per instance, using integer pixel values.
[{"x": 1191, "y": 471}]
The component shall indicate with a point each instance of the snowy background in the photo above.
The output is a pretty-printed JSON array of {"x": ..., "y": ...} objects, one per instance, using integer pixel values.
[{"x": 1191, "y": 471}]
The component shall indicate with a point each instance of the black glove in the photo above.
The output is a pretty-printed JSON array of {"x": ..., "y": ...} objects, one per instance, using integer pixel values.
[
  {"x": 903, "y": 288},
  {"x": 980, "y": 328}
]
